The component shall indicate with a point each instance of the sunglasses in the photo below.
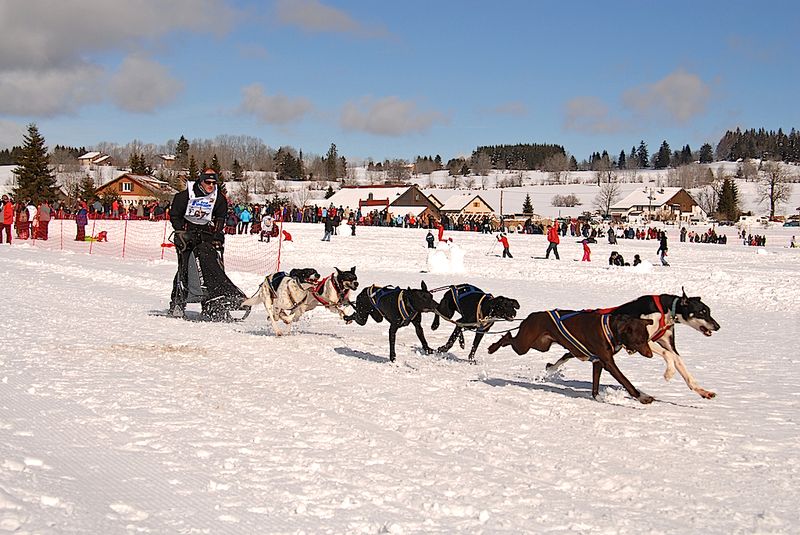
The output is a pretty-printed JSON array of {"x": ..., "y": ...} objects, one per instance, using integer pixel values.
[{"x": 209, "y": 181}]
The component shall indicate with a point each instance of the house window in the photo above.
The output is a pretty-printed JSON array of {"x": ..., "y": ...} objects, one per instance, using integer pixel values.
[
  {"x": 476, "y": 204},
  {"x": 127, "y": 187},
  {"x": 416, "y": 196}
]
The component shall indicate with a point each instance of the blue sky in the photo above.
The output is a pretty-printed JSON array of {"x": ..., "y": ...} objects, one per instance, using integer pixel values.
[{"x": 398, "y": 79}]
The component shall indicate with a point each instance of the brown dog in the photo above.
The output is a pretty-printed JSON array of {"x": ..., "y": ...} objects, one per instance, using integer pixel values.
[{"x": 586, "y": 335}]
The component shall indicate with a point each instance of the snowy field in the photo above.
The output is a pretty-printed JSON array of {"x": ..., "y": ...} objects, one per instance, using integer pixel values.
[{"x": 115, "y": 421}]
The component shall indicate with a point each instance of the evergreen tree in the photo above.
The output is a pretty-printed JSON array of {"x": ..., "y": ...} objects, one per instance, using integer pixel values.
[
  {"x": 527, "y": 206},
  {"x": 87, "y": 191},
  {"x": 663, "y": 156},
  {"x": 642, "y": 156},
  {"x": 35, "y": 181},
  {"x": 331, "y": 161},
  {"x": 182, "y": 153},
  {"x": 632, "y": 160},
  {"x": 138, "y": 164},
  {"x": 236, "y": 170},
  {"x": 729, "y": 200},
  {"x": 621, "y": 163},
  {"x": 193, "y": 171},
  {"x": 438, "y": 162},
  {"x": 215, "y": 165},
  {"x": 706, "y": 153},
  {"x": 573, "y": 163}
]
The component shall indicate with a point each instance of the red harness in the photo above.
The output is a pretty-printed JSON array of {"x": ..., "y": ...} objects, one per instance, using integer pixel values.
[
  {"x": 663, "y": 327},
  {"x": 317, "y": 293}
]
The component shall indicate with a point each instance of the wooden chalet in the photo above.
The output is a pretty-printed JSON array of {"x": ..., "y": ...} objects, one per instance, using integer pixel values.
[{"x": 134, "y": 188}]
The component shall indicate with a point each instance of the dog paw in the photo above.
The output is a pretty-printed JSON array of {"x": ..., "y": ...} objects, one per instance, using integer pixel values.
[
  {"x": 706, "y": 394},
  {"x": 645, "y": 399}
]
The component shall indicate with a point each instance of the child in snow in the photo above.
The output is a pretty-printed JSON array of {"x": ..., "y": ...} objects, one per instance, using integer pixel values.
[
  {"x": 429, "y": 238},
  {"x": 587, "y": 253},
  {"x": 636, "y": 260},
  {"x": 502, "y": 239}
]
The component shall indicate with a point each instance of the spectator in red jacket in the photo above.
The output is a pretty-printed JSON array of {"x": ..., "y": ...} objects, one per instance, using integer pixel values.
[
  {"x": 502, "y": 239},
  {"x": 587, "y": 253},
  {"x": 6, "y": 218},
  {"x": 552, "y": 237}
]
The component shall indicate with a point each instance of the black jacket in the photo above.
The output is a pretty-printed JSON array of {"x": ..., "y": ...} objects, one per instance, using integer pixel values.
[{"x": 177, "y": 210}]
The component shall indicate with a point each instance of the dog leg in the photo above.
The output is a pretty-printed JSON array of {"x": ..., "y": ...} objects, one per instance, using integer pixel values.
[
  {"x": 504, "y": 341},
  {"x": 551, "y": 368},
  {"x": 450, "y": 341},
  {"x": 392, "y": 338},
  {"x": 421, "y": 334},
  {"x": 675, "y": 362},
  {"x": 615, "y": 372},
  {"x": 597, "y": 371},
  {"x": 475, "y": 344}
]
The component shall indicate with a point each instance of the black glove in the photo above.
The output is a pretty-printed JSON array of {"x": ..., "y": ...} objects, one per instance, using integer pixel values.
[{"x": 218, "y": 237}]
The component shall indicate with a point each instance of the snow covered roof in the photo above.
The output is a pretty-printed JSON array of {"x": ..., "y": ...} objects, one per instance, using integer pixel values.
[
  {"x": 403, "y": 210},
  {"x": 169, "y": 157},
  {"x": 102, "y": 158},
  {"x": 646, "y": 196},
  {"x": 89, "y": 155},
  {"x": 349, "y": 197},
  {"x": 456, "y": 203}
]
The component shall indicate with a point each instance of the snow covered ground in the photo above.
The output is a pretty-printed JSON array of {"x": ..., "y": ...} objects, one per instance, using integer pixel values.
[{"x": 115, "y": 421}]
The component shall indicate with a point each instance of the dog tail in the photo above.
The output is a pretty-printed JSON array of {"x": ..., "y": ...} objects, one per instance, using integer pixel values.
[{"x": 435, "y": 324}]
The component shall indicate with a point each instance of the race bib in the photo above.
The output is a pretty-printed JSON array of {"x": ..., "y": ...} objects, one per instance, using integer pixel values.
[{"x": 199, "y": 209}]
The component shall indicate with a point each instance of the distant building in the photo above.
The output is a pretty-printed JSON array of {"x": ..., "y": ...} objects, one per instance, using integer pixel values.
[
  {"x": 134, "y": 188},
  {"x": 662, "y": 204},
  {"x": 467, "y": 207},
  {"x": 397, "y": 200},
  {"x": 166, "y": 161},
  {"x": 94, "y": 158}
]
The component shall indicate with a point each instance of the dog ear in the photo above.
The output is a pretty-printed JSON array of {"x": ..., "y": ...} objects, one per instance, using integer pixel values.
[
  {"x": 353, "y": 269},
  {"x": 684, "y": 297},
  {"x": 515, "y": 304},
  {"x": 337, "y": 271},
  {"x": 423, "y": 286}
]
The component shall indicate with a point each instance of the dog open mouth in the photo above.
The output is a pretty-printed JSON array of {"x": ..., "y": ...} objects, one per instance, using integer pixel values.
[{"x": 705, "y": 331}]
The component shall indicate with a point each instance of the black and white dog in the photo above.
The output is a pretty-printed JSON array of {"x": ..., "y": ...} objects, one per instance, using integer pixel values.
[
  {"x": 478, "y": 310},
  {"x": 283, "y": 294},
  {"x": 399, "y": 306},
  {"x": 666, "y": 310},
  {"x": 332, "y": 292}
]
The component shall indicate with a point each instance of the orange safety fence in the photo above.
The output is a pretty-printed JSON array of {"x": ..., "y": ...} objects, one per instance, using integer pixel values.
[{"x": 150, "y": 240}]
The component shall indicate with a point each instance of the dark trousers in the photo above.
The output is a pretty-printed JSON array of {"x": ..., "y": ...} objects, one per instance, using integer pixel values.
[
  {"x": 7, "y": 228},
  {"x": 552, "y": 247},
  {"x": 506, "y": 253},
  {"x": 180, "y": 284}
]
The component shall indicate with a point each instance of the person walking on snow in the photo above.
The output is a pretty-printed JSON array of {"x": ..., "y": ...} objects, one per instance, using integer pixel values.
[
  {"x": 662, "y": 248},
  {"x": 429, "y": 239},
  {"x": 502, "y": 239},
  {"x": 552, "y": 237},
  {"x": 587, "y": 253}
]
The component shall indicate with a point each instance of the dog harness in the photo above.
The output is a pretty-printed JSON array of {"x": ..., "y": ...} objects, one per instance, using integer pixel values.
[
  {"x": 275, "y": 281},
  {"x": 460, "y": 292},
  {"x": 341, "y": 297},
  {"x": 377, "y": 294},
  {"x": 663, "y": 326},
  {"x": 558, "y": 320}
]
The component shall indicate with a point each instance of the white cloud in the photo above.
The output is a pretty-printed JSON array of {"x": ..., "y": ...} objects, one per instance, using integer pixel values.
[
  {"x": 49, "y": 92},
  {"x": 679, "y": 96},
  {"x": 314, "y": 16},
  {"x": 272, "y": 109},
  {"x": 11, "y": 134},
  {"x": 388, "y": 116},
  {"x": 47, "y": 66},
  {"x": 42, "y": 33},
  {"x": 590, "y": 115},
  {"x": 142, "y": 85}
]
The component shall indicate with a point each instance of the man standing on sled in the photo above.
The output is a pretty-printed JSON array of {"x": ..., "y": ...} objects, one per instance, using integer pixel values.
[{"x": 198, "y": 215}]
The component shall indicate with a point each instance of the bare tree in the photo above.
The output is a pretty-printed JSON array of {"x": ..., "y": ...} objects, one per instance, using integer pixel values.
[
  {"x": 686, "y": 176},
  {"x": 774, "y": 186},
  {"x": 609, "y": 194},
  {"x": 480, "y": 164},
  {"x": 558, "y": 167},
  {"x": 708, "y": 198},
  {"x": 748, "y": 170}
]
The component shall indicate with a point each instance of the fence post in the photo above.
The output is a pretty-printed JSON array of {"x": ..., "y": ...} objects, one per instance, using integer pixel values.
[
  {"x": 91, "y": 242},
  {"x": 164, "y": 239},
  {"x": 61, "y": 236},
  {"x": 124, "y": 237},
  {"x": 280, "y": 241}
]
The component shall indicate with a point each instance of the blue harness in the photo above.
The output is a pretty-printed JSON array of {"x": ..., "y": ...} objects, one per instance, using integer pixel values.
[
  {"x": 461, "y": 292},
  {"x": 559, "y": 318},
  {"x": 377, "y": 294},
  {"x": 275, "y": 280}
]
